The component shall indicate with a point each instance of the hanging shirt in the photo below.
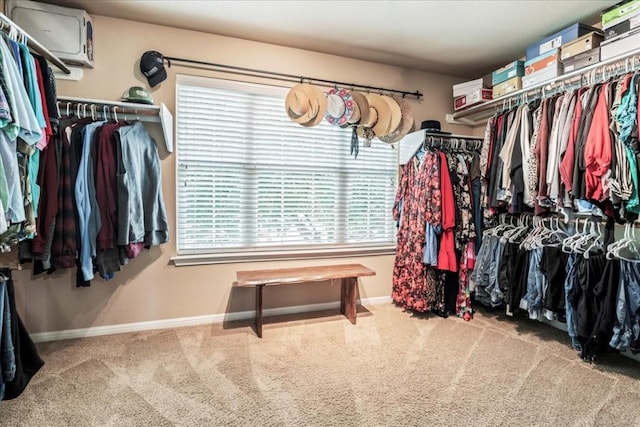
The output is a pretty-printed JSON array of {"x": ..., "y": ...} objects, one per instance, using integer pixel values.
[
  {"x": 25, "y": 124},
  {"x": 597, "y": 149},
  {"x": 141, "y": 213},
  {"x": 447, "y": 259},
  {"x": 507, "y": 151},
  {"x": 557, "y": 146},
  {"x": 83, "y": 202}
]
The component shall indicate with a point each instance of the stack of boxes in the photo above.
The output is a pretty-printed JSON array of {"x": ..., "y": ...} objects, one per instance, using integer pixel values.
[
  {"x": 471, "y": 93},
  {"x": 621, "y": 26},
  {"x": 507, "y": 79},
  {"x": 568, "y": 50},
  {"x": 581, "y": 52},
  {"x": 544, "y": 57}
]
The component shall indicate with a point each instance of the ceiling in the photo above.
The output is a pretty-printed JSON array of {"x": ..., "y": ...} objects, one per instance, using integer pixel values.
[{"x": 455, "y": 37}]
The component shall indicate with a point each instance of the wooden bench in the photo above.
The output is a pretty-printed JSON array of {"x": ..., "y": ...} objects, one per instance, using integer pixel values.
[{"x": 347, "y": 273}]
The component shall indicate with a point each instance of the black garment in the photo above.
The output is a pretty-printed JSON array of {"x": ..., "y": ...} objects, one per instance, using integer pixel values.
[
  {"x": 497, "y": 163},
  {"x": 517, "y": 271},
  {"x": 589, "y": 272},
  {"x": 49, "y": 86},
  {"x": 451, "y": 285},
  {"x": 28, "y": 362},
  {"x": 606, "y": 295},
  {"x": 553, "y": 267}
]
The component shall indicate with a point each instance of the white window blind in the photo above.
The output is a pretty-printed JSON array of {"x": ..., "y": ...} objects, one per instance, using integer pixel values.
[{"x": 249, "y": 179}]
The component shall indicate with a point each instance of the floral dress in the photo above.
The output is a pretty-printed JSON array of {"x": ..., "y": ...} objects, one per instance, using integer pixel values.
[{"x": 416, "y": 204}]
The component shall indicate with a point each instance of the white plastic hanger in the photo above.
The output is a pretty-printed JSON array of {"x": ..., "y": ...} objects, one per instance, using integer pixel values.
[
  {"x": 613, "y": 246},
  {"x": 566, "y": 243},
  {"x": 630, "y": 246}
]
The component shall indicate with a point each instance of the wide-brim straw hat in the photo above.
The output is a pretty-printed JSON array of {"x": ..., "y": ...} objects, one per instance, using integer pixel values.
[
  {"x": 362, "y": 107},
  {"x": 383, "y": 113},
  {"x": 407, "y": 122},
  {"x": 395, "y": 114},
  {"x": 306, "y": 104}
]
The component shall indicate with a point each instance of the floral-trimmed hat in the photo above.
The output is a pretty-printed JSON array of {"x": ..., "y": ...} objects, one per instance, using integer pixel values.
[{"x": 340, "y": 105}]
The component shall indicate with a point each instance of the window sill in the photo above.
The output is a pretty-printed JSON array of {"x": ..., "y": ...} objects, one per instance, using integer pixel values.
[{"x": 261, "y": 256}]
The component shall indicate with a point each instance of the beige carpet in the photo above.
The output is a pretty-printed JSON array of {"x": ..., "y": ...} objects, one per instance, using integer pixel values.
[{"x": 392, "y": 368}]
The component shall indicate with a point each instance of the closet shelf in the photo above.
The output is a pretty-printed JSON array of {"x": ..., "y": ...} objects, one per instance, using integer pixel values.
[
  {"x": 143, "y": 112},
  {"x": 479, "y": 114},
  {"x": 34, "y": 44}
]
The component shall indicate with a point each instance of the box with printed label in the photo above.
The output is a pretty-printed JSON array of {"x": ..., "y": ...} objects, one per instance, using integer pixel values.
[
  {"x": 582, "y": 60},
  {"x": 509, "y": 71},
  {"x": 556, "y": 40},
  {"x": 622, "y": 28},
  {"x": 618, "y": 13},
  {"x": 548, "y": 59},
  {"x": 541, "y": 76},
  {"x": 476, "y": 97},
  {"x": 619, "y": 46},
  {"x": 469, "y": 87},
  {"x": 507, "y": 87},
  {"x": 580, "y": 45}
]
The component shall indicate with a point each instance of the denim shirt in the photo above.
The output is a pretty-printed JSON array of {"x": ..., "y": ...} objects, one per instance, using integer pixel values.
[{"x": 7, "y": 355}]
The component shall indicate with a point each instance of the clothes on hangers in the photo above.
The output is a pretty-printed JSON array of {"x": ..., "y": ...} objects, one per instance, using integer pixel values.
[
  {"x": 436, "y": 209},
  {"x": 74, "y": 193}
]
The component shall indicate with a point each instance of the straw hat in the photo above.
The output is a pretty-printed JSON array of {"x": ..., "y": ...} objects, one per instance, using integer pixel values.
[
  {"x": 407, "y": 122},
  {"x": 395, "y": 114},
  {"x": 361, "y": 110},
  {"x": 383, "y": 113},
  {"x": 306, "y": 104}
]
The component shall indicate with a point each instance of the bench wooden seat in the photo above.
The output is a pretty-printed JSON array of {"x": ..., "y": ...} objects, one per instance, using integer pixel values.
[{"x": 347, "y": 273}]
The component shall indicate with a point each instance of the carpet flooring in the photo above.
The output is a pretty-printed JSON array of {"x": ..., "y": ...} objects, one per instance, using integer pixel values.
[{"x": 316, "y": 369}]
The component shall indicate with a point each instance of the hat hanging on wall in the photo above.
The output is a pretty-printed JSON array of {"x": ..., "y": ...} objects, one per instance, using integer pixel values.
[
  {"x": 405, "y": 125},
  {"x": 395, "y": 114},
  {"x": 361, "y": 109},
  {"x": 152, "y": 66},
  {"x": 306, "y": 104},
  {"x": 340, "y": 106},
  {"x": 383, "y": 114}
]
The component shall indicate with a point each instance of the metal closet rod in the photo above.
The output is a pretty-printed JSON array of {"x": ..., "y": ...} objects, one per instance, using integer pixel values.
[{"x": 290, "y": 77}]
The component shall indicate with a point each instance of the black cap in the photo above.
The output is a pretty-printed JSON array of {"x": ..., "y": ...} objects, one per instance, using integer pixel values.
[{"x": 152, "y": 66}]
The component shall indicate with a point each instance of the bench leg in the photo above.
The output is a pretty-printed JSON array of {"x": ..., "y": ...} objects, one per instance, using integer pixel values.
[
  {"x": 259, "y": 310},
  {"x": 349, "y": 295}
]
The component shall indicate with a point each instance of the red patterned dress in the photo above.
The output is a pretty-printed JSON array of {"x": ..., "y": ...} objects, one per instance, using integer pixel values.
[{"x": 417, "y": 202}]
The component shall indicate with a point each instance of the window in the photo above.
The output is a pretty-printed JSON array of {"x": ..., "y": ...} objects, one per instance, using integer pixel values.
[{"x": 251, "y": 182}]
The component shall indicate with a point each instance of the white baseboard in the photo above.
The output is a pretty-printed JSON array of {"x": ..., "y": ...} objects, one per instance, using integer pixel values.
[{"x": 95, "y": 331}]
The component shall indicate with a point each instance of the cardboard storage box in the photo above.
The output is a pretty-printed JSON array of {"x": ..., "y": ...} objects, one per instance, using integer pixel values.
[
  {"x": 470, "y": 87},
  {"x": 541, "y": 76},
  {"x": 582, "y": 60},
  {"x": 580, "y": 45},
  {"x": 548, "y": 59},
  {"x": 618, "y": 13},
  {"x": 618, "y": 46},
  {"x": 506, "y": 87},
  {"x": 509, "y": 71},
  {"x": 624, "y": 27},
  {"x": 556, "y": 40},
  {"x": 476, "y": 97}
]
